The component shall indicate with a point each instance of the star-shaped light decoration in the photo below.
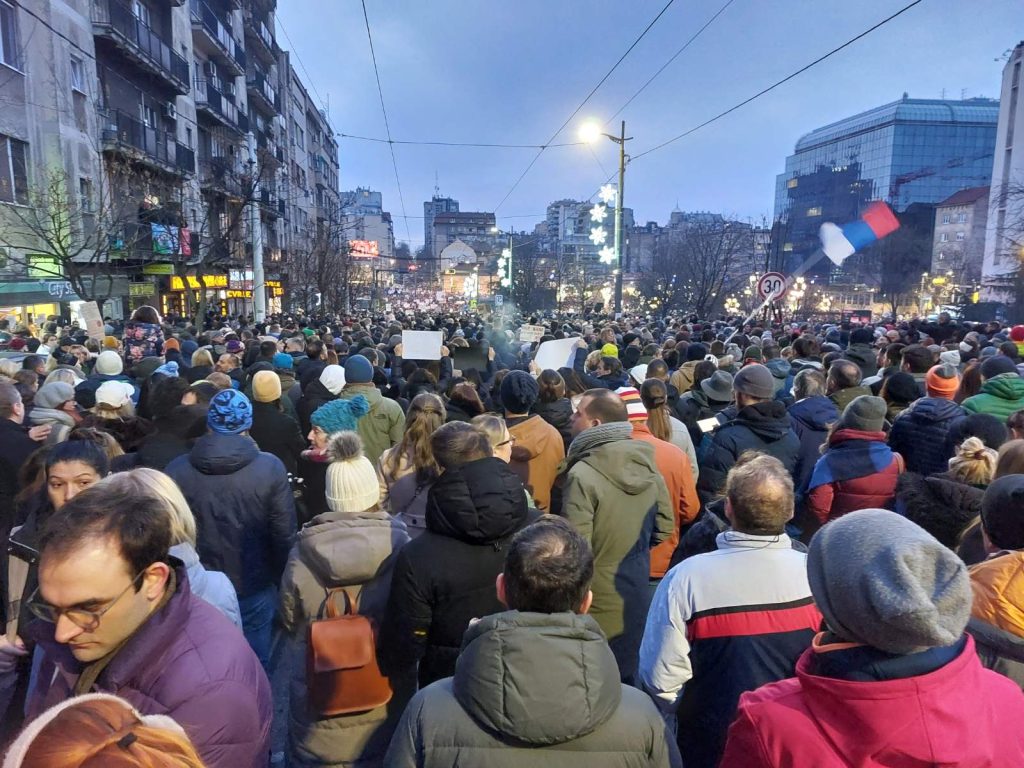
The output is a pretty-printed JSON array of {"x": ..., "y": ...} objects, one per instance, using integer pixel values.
[
  {"x": 606, "y": 255},
  {"x": 598, "y": 213},
  {"x": 506, "y": 253},
  {"x": 598, "y": 235},
  {"x": 505, "y": 282},
  {"x": 501, "y": 263},
  {"x": 607, "y": 193}
]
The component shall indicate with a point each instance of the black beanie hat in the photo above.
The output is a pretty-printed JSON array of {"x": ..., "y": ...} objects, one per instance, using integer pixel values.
[
  {"x": 696, "y": 351},
  {"x": 901, "y": 388},
  {"x": 1002, "y": 512},
  {"x": 519, "y": 391},
  {"x": 861, "y": 336},
  {"x": 996, "y": 365}
]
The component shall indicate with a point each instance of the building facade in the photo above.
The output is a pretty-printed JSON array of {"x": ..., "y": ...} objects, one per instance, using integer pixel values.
[
  {"x": 476, "y": 229},
  {"x": 157, "y": 128},
  {"x": 1004, "y": 239},
  {"x": 909, "y": 151},
  {"x": 958, "y": 247},
  {"x": 431, "y": 208}
]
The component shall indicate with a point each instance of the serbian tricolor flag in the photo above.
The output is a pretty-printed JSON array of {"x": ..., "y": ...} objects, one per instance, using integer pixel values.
[{"x": 876, "y": 222}]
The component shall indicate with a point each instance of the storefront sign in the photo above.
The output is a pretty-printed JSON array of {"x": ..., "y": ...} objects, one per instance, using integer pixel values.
[
  {"x": 60, "y": 289},
  {"x": 234, "y": 294},
  {"x": 43, "y": 265},
  {"x": 276, "y": 291},
  {"x": 158, "y": 269},
  {"x": 210, "y": 281},
  {"x": 141, "y": 289}
]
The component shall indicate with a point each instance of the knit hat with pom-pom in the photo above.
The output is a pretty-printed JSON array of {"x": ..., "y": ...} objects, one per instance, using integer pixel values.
[
  {"x": 340, "y": 415},
  {"x": 352, "y": 484}
]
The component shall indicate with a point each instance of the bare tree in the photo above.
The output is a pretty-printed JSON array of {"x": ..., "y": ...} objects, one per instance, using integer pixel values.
[{"x": 72, "y": 234}]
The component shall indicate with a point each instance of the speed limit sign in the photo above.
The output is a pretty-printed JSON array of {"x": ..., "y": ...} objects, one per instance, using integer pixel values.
[{"x": 771, "y": 285}]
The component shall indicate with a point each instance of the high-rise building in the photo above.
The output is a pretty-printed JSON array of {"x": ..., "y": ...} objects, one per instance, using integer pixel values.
[
  {"x": 367, "y": 225},
  {"x": 958, "y": 245},
  {"x": 431, "y": 208},
  {"x": 909, "y": 151},
  {"x": 1004, "y": 239},
  {"x": 160, "y": 125},
  {"x": 474, "y": 228}
]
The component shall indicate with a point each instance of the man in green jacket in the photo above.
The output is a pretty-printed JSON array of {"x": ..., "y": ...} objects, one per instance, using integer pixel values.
[
  {"x": 1002, "y": 392},
  {"x": 616, "y": 498},
  {"x": 537, "y": 684},
  {"x": 384, "y": 425}
]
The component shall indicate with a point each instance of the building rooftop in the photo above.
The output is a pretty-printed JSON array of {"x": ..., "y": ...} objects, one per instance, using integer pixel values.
[
  {"x": 455, "y": 217},
  {"x": 964, "y": 197},
  {"x": 906, "y": 110}
]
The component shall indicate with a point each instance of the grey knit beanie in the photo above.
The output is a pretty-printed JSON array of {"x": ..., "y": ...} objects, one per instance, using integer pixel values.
[
  {"x": 881, "y": 580},
  {"x": 865, "y": 413}
]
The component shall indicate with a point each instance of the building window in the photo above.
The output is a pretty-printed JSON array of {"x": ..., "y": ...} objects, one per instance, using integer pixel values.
[
  {"x": 77, "y": 75},
  {"x": 8, "y": 36},
  {"x": 945, "y": 218},
  {"x": 188, "y": 137},
  {"x": 792, "y": 183},
  {"x": 815, "y": 211},
  {"x": 961, "y": 218},
  {"x": 960, "y": 236},
  {"x": 944, "y": 237},
  {"x": 85, "y": 195},
  {"x": 13, "y": 171},
  {"x": 141, "y": 12}
]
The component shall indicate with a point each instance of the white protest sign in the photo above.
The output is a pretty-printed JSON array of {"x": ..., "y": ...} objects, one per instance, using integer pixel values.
[
  {"x": 555, "y": 354},
  {"x": 422, "y": 345},
  {"x": 92, "y": 319},
  {"x": 531, "y": 333}
]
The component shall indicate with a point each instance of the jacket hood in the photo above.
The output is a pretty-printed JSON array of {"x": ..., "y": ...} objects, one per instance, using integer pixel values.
[
  {"x": 779, "y": 368},
  {"x": 555, "y": 413},
  {"x": 370, "y": 392},
  {"x": 537, "y": 678},
  {"x": 533, "y": 436},
  {"x": 815, "y": 413},
  {"x": 316, "y": 390},
  {"x": 216, "y": 454},
  {"x": 1006, "y": 386},
  {"x": 626, "y": 464},
  {"x": 480, "y": 502},
  {"x": 934, "y": 409},
  {"x": 998, "y": 586},
  {"x": 768, "y": 420},
  {"x": 862, "y": 354},
  {"x": 868, "y": 722},
  {"x": 344, "y": 550}
]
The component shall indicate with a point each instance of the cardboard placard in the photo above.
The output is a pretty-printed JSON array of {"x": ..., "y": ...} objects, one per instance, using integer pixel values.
[
  {"x": 555, "y": 354},
  {"x": 92, "y": 319},
  {"x": 531, "y": 333},
  {"x": 422, "y": 345}
]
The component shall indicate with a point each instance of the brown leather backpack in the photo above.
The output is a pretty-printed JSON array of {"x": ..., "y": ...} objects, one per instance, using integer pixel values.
[{"x": 342, "y": 674}]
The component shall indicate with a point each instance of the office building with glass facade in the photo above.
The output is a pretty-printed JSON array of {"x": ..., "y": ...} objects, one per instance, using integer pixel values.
[{"x": 910, "y": 151}]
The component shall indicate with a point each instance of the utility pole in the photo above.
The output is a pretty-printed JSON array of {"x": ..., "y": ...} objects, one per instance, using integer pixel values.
[
  {"x": 259, "y": 288},
  {"x": 621, "y": 141}
]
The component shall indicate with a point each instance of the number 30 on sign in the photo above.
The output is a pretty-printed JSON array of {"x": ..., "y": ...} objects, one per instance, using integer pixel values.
[{"x": 771, "y": 284}]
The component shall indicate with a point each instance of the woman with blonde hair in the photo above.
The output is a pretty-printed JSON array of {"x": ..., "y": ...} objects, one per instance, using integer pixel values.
[
  {"x": 202, "y": 365},
  {"x": 99, "y": 729},
  {"x": 163, "y": 493},
  {"x": 496, "y": 431},
  {"x": 407, "y": 470},
  {"x": 1011, "y": 459},
  {"x": 114, "y": 412},
  {"x": 973, "y": 463}
]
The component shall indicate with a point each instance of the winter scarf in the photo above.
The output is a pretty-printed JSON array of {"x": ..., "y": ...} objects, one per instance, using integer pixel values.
[
  {"x": 851, "y": 453},
  {"x": 589, "y": 439}
]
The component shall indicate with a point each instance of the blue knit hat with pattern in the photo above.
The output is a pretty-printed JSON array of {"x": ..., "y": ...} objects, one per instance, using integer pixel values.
[
  {"x": 339, "y": 415},
  {"x": 230, "y": 413}
]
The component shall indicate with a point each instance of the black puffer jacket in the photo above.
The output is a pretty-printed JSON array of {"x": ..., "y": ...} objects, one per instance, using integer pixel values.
[
  {"x": 276, "y": 432},
  {"x": 446, "y": 576},
  {"x": 940, "y": 505},
  {"x": 761, "y": 427},
  {"x": 921, "y": 434},
  {"x": 244, "y": 509},
  {"x": 559, "y": 415},
  {"x": 313, "y": 396}
]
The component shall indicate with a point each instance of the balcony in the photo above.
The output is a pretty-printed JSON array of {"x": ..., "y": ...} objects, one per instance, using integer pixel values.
[
  {"x": 269, "y": 202},
  {"x": 258, "y": 38},
  {"x": 218, "y": 35},
  {"x": 113, "y": 20},
  {"x": 129, "y": 136},
  {"x": 262, "y": 94},
  {"x": 218, "y": 174},
  {"x": 214, "y": 100}
]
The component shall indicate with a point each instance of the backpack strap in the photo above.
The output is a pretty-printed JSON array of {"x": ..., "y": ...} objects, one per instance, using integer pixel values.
[
  {"x": 329, "y": 609},
  {"x": 17, "y": 577},
  {"x": 901, "y": 465}
]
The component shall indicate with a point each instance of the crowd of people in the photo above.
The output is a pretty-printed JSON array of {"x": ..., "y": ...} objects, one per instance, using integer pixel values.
[{"x": 697, "y": 543}]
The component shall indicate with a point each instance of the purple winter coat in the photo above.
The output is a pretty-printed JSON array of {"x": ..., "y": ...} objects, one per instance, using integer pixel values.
[{"x": 188, "y": 662}]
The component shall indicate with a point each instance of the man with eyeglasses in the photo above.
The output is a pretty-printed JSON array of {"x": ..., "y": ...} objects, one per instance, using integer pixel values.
[
  {"x": 116, "y": 615},
  {"x": 538, "y": 448}
]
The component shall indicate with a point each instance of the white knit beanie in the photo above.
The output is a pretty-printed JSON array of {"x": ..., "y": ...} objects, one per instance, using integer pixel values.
[{"x": 352, "y": 483}]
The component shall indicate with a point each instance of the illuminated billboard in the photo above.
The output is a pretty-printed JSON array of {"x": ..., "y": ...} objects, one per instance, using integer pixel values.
[{"x": 363, "y": 249}]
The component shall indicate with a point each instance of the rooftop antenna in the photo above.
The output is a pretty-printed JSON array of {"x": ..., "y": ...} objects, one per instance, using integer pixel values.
[{"x": 437, "y": 189}]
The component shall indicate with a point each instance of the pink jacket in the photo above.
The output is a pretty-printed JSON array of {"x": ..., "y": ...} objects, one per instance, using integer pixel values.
[{"x": 959, "y": 715}]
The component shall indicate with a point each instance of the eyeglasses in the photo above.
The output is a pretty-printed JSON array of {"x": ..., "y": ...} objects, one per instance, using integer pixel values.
[
  {"x": 511, "y": 441},
  {"x": 81, "y": 618}
]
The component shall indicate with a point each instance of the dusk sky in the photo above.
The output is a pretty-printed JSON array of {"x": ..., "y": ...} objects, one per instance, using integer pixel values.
[{"x": 490, "y": 72}]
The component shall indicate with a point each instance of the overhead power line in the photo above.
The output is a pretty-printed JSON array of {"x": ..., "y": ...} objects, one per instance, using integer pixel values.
[
  {"x": 675, "y": 56},
  {"x": 776, "y": 84},
  {"x": 458, "y": 143},
  {"x": 387, "y": 125},
  {"x": 582, "y": 104}
]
